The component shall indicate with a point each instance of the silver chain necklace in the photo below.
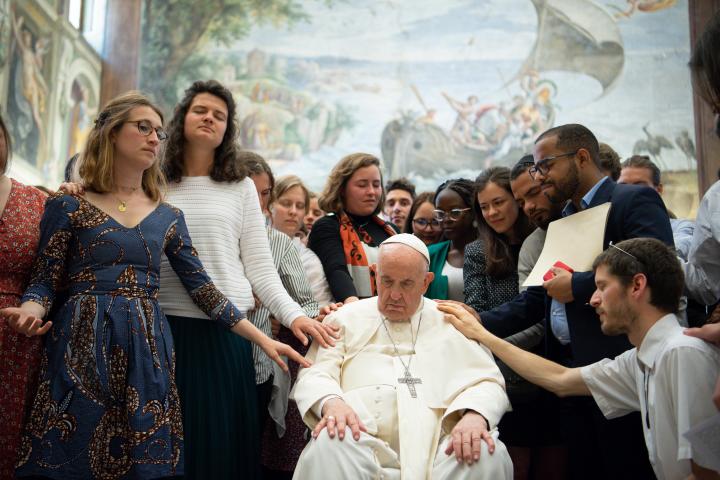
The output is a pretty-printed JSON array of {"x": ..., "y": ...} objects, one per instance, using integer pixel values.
[{"x": 407, "y": 379}]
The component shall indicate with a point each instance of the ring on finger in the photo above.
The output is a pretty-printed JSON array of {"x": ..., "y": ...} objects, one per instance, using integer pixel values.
[{"x": 330, "y": 417}]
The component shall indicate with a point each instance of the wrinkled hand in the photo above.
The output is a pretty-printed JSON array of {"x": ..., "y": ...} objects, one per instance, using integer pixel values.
[
  {"x": 274, "y": 349},
  {"x": 72, "y": 188},
  {"x": 468, "y": 308},
  {"x": 24, "y": 322},
  {"x": 327, "y": 310},
  {"x": 560, "y": 286},
  {"x": 467, "y": 436},
  {"x": 464, "y": 322},
  {"x": 275, "y": 326},
  {"x": 709, "y": 332},
  {"x": 337, "y": 415},
  {"x": 302, "y": 327}
]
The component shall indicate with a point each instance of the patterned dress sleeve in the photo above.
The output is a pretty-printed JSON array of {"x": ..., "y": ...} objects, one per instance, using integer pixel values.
[
  {"x": 184, "y": 260},
  {"x": 475, "y": 277},
  {"x": 49, "y": 267}
]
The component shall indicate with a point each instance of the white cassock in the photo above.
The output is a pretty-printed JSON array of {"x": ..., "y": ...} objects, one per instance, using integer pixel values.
[{"x": 405, "y": 436}]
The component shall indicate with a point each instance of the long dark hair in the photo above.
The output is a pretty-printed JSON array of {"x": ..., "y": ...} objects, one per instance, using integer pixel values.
[
  {"x": 705, "y": 64},
  {"x": 8, "y": 146},
  {"x": 499, "y": 260},
  {"x": 226, "y": 167}
]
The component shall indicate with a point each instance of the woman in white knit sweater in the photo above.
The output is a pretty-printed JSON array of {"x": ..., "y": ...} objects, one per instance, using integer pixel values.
[{"x": 223, "y": 216}]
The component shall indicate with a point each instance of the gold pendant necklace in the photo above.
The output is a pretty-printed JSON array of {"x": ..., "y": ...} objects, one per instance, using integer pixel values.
[{"x": 122, "y": 204}]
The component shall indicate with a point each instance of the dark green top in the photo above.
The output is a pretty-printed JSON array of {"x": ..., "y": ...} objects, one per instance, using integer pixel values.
[{"x": 438, "y": 289}]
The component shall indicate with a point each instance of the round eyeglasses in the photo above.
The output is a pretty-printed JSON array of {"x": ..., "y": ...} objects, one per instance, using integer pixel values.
[
  {"x": 145, "y": 128},
  {"x": 424, "y": 223}
]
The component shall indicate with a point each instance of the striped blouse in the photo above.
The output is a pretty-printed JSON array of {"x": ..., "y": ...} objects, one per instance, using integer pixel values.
[{"x": 292, "y": 274}]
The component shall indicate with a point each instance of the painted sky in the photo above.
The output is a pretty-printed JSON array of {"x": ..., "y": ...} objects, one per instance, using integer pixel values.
[
  {"x": 467, "y": 47},
  {"x": 421, "y": 30}
]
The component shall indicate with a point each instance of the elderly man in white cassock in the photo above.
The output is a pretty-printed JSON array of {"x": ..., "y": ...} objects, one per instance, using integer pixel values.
[{"x": 402, "y": 395}]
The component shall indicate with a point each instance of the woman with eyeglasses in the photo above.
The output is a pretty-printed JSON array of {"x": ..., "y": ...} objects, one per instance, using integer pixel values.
[
  {"x": 491, "y": 279},
  {"x": 346, "y": 240},
  {"x": 21, "y": 208},
  {"x": 453, "y": 209},
  {"x": 107, "y": 404},
  {"x": 421, "y": 221}
]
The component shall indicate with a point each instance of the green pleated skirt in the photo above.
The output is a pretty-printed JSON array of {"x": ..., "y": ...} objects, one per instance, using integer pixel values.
[{"x": 216, "y": 382}]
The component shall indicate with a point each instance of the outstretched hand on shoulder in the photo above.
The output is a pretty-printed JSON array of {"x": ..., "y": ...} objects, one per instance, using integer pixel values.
[{"x": 464, "y": 321}]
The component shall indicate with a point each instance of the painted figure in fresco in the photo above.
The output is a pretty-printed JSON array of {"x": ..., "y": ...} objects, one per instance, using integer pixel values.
[
  {"x": 34, "y": 88},
  {"x": 462, "y": 129},
  {"x": 653, "y": 144},
  {"x": 645, "y": 6},
  {"x": 5, "y": 28},
  {"x": 79, "y": 120},
  {"x": 687, "y": 146}
]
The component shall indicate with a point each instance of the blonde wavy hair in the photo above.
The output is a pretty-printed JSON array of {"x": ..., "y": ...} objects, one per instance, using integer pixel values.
[
  {"x": 285, "y": 183},
  {"x": 331, "y": 199},
  {"x": 97, "y": 160}
]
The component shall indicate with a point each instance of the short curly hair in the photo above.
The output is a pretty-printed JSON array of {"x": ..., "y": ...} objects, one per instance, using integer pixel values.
[
  {"x": 609, "y": 160},
  {"x": 401, "y": 183},
  {"x": 573, "y": 137},
  {"x": 655, "y": 260}
]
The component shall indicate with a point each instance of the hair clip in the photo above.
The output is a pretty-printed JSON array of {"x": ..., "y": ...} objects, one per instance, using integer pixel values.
[
  {"x": 100, "y": 120},
  {"x": 623, "y": 251}
]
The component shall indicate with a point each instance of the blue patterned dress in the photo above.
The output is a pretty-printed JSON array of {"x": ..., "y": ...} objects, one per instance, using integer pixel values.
[{"x": 107, "y": 406}]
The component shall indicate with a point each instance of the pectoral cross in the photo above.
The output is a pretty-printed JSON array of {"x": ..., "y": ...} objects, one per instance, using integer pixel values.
[{"x": 410, "y": 381}]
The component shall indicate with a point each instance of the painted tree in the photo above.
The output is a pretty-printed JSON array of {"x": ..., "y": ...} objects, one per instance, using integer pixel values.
[{"x": 175, "y": 31}]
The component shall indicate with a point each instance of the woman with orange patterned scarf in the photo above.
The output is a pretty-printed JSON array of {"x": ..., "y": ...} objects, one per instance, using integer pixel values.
[
  {"x": 347, "y": 238},
  {"x": 21, "y": 208}
]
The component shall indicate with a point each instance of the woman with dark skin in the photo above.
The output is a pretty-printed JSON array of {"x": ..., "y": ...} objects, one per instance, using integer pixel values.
[{"x": 453, "y": 207}]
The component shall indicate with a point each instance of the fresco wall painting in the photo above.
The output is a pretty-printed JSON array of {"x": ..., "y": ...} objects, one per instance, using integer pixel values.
[
  {"x": 436, "y": 88},
  {"x": 50, "y": 83}
]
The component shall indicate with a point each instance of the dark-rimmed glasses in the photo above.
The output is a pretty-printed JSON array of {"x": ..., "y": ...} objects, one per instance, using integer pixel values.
[
  {"x": 543, "y": 166},
  {"x": 424, "y": 223},
  {"x": 455, "y": 214},
  {"x": 145, "y": 128}
]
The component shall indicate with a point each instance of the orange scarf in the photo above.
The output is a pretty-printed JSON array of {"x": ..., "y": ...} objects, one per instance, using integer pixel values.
[{"x": 355, "y": 259}]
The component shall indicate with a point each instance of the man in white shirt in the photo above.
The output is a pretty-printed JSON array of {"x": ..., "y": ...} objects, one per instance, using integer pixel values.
[
  {"x": 419, "y": 400},
  {"x": 668, "y": 377}
]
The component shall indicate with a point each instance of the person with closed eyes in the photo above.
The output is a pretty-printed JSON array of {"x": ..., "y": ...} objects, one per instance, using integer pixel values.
[{"x": 210, "y": 183}]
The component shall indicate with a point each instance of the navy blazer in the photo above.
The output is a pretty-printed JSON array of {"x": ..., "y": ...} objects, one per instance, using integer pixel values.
[{"x": 635, "y": 211}]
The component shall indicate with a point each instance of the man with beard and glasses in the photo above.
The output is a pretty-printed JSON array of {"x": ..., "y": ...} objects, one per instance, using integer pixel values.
[
  {"x": 668, "y": 377},
  {"x": 567, "y": 167}
]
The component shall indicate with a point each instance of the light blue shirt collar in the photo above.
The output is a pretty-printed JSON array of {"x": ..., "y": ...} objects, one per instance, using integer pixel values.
[{"x": 586, "y": 200}]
